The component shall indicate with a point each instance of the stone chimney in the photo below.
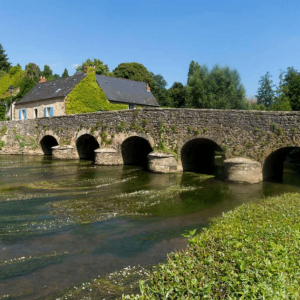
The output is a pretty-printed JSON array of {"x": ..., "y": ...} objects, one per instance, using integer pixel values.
[
  {"x": 148, "y": 88},
  {"x": 42, "y": 79}
]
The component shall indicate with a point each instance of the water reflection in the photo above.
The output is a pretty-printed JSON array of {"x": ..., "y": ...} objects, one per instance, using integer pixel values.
[{"x": 65, "y": 222}]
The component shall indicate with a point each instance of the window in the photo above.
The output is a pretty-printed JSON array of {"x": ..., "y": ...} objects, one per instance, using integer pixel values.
[
  {"x": 22, "y": 114},
  {"x": 48, "y": 112},
  {"x": 131, "y": 106},
  {"x": 35, "y": 113}
]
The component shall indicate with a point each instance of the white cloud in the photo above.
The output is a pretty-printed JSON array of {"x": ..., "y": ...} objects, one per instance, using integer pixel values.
[
  {"x": 54, "y": 65},
  {"x": 75, "y": 65}
]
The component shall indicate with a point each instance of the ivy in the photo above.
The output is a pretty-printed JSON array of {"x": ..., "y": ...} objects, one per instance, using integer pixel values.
[{"x": 87, "y": 97}]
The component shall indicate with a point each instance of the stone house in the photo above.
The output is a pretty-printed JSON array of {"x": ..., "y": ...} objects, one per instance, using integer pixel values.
[{"x": 48, "y": 98}]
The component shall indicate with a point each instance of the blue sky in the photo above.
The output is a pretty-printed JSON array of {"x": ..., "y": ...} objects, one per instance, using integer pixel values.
[{"x": 165, "y": 36}]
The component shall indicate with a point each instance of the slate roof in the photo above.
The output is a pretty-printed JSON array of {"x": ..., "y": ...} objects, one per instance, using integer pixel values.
[
  {"x": 126, "y": 91},
  {"x": 52, "y": 89}
]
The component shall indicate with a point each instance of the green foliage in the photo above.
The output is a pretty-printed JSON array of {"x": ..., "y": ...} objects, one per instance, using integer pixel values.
[
  {"x": 12, "y": 78},
  {"x": 288, "y": 91},
  {"x": 4, "y": 64},
  {"x": 65, "y": 74},
  {"x": 47, "y": 72},
  {"x": 88, "y": 97},
  {"x": 2, "y": 144},
  {"x": 163, "y": 148},
  {"x": 265, "y": 94},
  {"x": 120, "y": 126},
  {"x": 219, "y": 88},
  {"x": 177, "y": 94},
  {"x": 33, "y": 71},
  {"x": 250, "y": 253},
  {"x": 161, "y": 93},
  {"x": 136, "y": 71},
  {"x": 3, "y": 131},
  {"x": 96, "y": 64}
]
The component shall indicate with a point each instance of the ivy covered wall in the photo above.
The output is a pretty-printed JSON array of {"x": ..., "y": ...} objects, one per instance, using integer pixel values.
[{"x": 87, "y": 97}]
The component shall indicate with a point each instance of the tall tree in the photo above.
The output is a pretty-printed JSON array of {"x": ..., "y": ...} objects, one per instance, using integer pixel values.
[
  {"x": 289, "y": 89},
  {"x": 265, "y": 93},
  {"x": 194, "y": 67},
  {"x": 100, "y": 67},
  {"x": 162, "y": 95},
  {"x": 216, "y": 88},
  {"x": 65, "y": 73},
  {"x": 4, "y": 64},
  {"x": 47, "y": 72},
  {"x": 177, "y": 94},
  {"x": 33, "y": 71}
]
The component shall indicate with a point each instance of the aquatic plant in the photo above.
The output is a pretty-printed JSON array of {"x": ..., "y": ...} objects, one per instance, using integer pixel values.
[{"x": 250, "y": 253}]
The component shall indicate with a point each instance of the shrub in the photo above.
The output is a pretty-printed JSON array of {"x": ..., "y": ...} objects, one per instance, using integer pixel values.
[{"x": 250, "y": 253}]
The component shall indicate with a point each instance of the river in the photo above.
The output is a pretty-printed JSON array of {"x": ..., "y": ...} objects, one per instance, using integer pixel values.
[{"x": 67, "y": 222}]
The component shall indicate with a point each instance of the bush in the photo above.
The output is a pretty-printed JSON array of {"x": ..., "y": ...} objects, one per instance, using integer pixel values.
[
  {"x": 250, "y": 253},
  {"x": 87, "y": 96}
]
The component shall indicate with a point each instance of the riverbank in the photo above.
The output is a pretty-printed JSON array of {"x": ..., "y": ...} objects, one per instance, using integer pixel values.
[{"x": 252, "y": 252}]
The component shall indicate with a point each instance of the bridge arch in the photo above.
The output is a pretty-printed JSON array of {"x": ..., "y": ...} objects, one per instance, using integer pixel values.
[
  {"x": 273, "y": 167},
  {"x": 86, "y": 144},
  {"x": 198, "y": 155},
  {"x": 47, "y": 142},
  {"x": 135, "y": 150}
]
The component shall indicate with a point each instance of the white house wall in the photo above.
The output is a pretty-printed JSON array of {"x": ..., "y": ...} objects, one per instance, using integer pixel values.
[{"x": 58, "y": 105}]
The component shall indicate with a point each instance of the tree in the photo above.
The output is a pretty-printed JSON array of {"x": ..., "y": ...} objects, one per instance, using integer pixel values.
[
  {"x": 33, "y": 71},
  {"x": 47, "y": 73},
  {"x": 288, "y": 92},
  {"x": 177, "y": 94},
  {"x": 219, "y": 88},
  {"x": 65, "y": 73},
  {"x": 138, "y": 72},
  {"x": 100, "y": 68},
  {"x": 4, "y": 64},
  {"x": 162, "y": 95},
  {"x": 265, "y": 93}
]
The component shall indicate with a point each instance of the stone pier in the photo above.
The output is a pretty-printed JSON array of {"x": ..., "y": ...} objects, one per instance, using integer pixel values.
[
  {"x": 243, "y": 170},
  {"x": 160, "y": 162}
]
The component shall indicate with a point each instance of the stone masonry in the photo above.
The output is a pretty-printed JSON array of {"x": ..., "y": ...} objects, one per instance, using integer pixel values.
[{"x": 250, "y": 134}]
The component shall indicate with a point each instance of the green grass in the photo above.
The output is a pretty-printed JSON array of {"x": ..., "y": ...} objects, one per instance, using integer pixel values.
[{"x": 250, "y": 253}]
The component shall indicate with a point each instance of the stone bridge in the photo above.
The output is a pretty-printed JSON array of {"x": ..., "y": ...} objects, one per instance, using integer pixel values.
[{"x": 196, "y": 139}]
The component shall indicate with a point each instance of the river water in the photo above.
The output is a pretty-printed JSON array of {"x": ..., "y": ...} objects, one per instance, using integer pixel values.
[{"x": 66, "y": 222}]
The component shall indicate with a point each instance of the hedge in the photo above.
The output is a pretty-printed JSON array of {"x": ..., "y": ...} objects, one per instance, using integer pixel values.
[{"x": 250, "y": 253}]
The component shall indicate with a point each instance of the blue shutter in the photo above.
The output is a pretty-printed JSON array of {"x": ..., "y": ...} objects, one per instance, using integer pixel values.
[
  {"x": 20, "y": 114},
  {"x": 45, "y": 111},
  {"x": 25, "y": 114},
  {"x": 51, "y": 111}
]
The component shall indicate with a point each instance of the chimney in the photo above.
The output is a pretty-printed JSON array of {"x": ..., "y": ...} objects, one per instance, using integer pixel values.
[
  {"x": 42, "y": 79},
  {"x": 148, "y": 88}
]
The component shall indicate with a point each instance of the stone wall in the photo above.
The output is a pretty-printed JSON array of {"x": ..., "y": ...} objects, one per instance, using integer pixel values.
[{"x": 252, "y": 134}]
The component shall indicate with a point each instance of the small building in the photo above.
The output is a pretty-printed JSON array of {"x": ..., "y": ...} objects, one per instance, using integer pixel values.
[{"x": 48, "y": 98}]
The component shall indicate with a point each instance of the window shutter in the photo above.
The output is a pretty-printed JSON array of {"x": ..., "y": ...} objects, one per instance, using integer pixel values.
[
  {"x": 25, "y": 114},
  {"x": 20, "y": 114},
  {"x": 51, "y": 111},
  {"x": 45, "y": 112}
]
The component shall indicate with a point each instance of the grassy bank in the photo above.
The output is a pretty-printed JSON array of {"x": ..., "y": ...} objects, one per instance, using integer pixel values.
[{"x": 252, "y": 252}]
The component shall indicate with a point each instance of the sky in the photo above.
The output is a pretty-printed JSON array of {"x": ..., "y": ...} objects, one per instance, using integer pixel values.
[{"x": 253, "y": 37}]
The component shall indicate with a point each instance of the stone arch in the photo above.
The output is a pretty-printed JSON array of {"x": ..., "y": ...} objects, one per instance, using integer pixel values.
[
  {"x": 86, "y": 144},
  {"x": 135, "y": 150},
  {"x": 47, "y": 142},
  {"x": 273, "y": 167},
  {"x": 198, "y": 155}
]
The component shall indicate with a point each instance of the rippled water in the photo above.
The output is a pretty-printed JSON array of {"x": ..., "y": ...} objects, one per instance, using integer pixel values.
[{"x": 67, "y": 222}]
